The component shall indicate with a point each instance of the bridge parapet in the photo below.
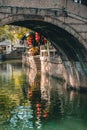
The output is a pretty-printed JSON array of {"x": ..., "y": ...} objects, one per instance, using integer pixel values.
[
  {"x": 68, "y": 4},
  {"x": 9, "y": 10}
]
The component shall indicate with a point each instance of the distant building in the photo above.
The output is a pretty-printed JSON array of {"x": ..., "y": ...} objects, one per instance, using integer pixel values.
[{"x": 5, "y": 46}]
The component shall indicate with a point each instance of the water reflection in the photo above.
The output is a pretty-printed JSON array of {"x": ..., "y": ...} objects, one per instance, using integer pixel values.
[
  {"x": 30, "y": 101},
  {"x": 21, "y": 118}
]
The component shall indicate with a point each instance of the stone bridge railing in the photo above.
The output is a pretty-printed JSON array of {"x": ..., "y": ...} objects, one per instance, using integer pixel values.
[{"x": 10, "y": 10}]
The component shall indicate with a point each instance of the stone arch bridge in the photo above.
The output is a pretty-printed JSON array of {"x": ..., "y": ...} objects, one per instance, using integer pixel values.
[{"x": 62, "y": 22}]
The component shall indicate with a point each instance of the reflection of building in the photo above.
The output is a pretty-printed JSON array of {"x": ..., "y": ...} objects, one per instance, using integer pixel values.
[
  {"x": 6, "y": 71},
  {"x": 31, "y": 74},
  {"x": 5, "y": 46},
  {"x": 45, "y": 89}
]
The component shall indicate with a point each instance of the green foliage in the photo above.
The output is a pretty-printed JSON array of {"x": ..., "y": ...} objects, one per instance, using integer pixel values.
[{"x": 12, "y": 32}]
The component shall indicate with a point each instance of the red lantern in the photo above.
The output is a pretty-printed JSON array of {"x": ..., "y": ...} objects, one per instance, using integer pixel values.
[
  {"x": 30, "y": 41},
  {"x": 38, "y": 114},
  {"x": 38, "y": 109},
  {"x": 37, "y": 37},
  {"x": 38, "y": 105}
]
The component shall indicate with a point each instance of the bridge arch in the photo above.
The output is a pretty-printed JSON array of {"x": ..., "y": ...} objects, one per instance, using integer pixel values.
[
  {"x": 14, "y": 19},
  {"x": 42, "y": 23},
  {"x": 69, "y": 43}
]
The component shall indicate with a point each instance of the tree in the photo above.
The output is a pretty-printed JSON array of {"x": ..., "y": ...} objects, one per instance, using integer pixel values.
[{"x": 12, "y": 32}]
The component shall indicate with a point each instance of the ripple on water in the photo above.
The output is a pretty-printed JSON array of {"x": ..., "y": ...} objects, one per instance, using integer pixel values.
[{"x": 40, "y": 104}]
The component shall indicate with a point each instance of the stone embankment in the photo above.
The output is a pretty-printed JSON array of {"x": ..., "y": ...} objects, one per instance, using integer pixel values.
[
  {"x": 33, "y": 62},
  {"x": 13, "y": 55}
]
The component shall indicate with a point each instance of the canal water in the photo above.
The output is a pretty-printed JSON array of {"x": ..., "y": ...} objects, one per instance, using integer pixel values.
[{"x": 30, "y": 101}]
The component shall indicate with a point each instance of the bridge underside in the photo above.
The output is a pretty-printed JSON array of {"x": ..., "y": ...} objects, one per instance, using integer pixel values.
[
  {"x": 62, "y": 40},
  {"x": 72, "y": 52}
]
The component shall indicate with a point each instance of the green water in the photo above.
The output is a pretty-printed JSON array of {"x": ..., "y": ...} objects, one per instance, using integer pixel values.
[{"x": 30, "y": 101}]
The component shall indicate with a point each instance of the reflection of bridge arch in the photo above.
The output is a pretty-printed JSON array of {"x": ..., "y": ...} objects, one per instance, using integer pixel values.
[{"x": 60, "y": 28}]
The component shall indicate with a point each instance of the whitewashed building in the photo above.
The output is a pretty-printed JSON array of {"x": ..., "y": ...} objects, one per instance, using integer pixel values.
[{"x": 5, "y": 46}]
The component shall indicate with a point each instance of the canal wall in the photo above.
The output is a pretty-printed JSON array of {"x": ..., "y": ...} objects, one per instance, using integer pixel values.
[
  {"x": 15, "y": 54},
  {"x": 70, "y": 73},
  {"x": 52, "y": 67},
  {"x": 33, "y": 62}
]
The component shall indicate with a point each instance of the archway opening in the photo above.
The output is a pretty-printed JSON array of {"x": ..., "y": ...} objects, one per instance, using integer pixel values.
[{"x": 71, "y": 51}]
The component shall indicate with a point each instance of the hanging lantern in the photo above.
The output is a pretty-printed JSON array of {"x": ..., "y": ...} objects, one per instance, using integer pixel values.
[
  {"x": 37, "y": 37},
  {"x": 38, "y": 105},
  {"x": 30, "y": 40}
]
